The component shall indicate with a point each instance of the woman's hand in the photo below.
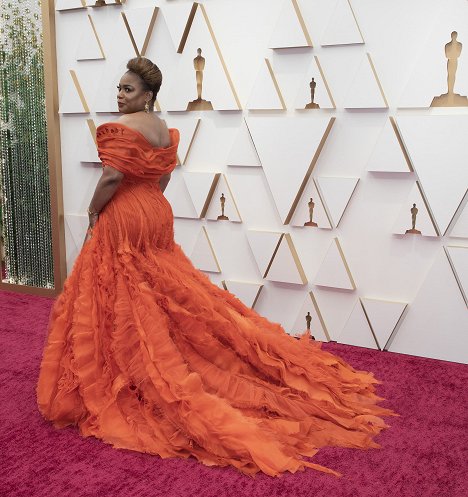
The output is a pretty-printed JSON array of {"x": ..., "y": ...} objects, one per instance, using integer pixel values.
[
  {"x": 106, "y": 187},
  {"x": 88, "y": 236},
  {"x": 93, "y": 217}
]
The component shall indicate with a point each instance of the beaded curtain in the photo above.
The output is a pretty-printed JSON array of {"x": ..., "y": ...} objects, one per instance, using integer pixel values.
[{"x": 24, "y": 174}]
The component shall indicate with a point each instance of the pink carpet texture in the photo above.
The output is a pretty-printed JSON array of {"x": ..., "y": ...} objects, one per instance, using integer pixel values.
[{"x": 424, "y": 453}]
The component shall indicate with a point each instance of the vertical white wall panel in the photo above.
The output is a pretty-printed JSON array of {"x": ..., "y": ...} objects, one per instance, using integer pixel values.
[{"x": 292, "y": 150}]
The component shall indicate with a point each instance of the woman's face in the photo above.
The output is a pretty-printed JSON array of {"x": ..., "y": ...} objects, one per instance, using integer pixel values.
[{"x": 131, "y": 96}]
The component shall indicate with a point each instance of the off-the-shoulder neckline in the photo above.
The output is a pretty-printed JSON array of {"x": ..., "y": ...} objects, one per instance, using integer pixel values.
[{"x": 139, "y": 133}]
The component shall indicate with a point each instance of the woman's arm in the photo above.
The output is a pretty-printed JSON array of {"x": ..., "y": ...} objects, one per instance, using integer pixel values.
[
  {"x": 104, "y": 191},
  {"x": 164, "y": 181}
]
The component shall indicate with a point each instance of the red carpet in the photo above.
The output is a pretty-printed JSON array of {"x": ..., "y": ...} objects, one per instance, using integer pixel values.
[{"x": 424, "y": 453}]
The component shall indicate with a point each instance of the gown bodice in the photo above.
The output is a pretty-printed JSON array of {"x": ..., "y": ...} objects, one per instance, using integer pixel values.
[{"x": 130, "y": 152}]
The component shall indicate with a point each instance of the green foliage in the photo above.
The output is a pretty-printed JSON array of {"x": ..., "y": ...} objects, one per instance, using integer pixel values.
[{"x": 24, "y": 171}]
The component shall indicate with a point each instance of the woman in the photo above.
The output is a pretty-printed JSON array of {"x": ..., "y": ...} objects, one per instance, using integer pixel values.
[{"x": 145, "y": 353}]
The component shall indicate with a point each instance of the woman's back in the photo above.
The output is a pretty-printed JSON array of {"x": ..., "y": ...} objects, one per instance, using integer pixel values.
[
  {"x": 138, "y": 213},
  {"x": 150, "y": 126}
]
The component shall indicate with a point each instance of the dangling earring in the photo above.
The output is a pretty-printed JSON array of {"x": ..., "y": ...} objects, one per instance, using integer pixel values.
[{"x": 147, "y": 106}]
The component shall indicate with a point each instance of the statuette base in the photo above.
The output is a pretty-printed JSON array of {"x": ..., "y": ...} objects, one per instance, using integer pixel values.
[
  {"x": 450, "y": 100},
  {"x": 199, "y": 104}
]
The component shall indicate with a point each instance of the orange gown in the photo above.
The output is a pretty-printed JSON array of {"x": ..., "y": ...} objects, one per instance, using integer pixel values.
[{"x": 145, "y": 353}]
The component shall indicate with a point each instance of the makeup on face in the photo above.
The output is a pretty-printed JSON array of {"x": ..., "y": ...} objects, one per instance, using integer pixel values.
[{"x": 131, "y": 95}]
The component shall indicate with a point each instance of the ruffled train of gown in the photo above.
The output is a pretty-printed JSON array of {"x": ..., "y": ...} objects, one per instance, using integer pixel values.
[{"x": 145, "y": 353}]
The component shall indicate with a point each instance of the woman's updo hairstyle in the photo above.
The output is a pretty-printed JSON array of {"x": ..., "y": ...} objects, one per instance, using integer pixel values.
[{"x": 149, "y": 73}]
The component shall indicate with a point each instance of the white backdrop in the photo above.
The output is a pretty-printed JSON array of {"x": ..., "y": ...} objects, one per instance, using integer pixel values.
[{"x": 372, "y": 150}]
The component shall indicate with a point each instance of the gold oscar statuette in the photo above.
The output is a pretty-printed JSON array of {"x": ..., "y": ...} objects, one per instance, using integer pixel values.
[
  {"x": 308, "y": 319},
  {"x": 414, "y": 213},
  {"x": 222, "y": 217},
  {"x": 311, "y": 205},
  {"x": 199, "y": 103},
  {"x": 451, "y": 99},
  {"x": 312, "y": 104}
]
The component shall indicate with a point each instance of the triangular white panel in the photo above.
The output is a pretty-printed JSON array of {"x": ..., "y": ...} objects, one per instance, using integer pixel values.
[
  {"x": 458, "y": 257},
  {"x": 383, "y": 316},
  {"x": 266, "y": 94},
  {"x": 179, "y": 197},
  {"x": 70, "y": 102},
  {"x": 141, "y": 22},
  {"x": 186, "y": 233},
  {"x": 188, "y": 127},
  {"x": 318, "y": 327},
  {"x": 437, "y": 147},
  {"x": 334, "y": 271},
  {"x": 87, "y": 150},
  {"x": 302, "y": 212},
  {"x": 230, "y": 207},
  {"x": 70, "y": 246},
  {"x": 322, "y": 95},
  {"x": 78, "y": 224},
  {"x": 106, "y": 94},
  {"x": 423, "y": 219},
  {"x": 69, "y": 4},
  {"x": 460, "y": 229},
  {"x": 217, "y": 86},
  {"x": 203, "y": 256},
  {"x": 336, "y": 193},
  {"x": 342, "y": 28},
  {"x": 246, "y": 292},
  {"x": 89, "y": 47},
  {"x": 75, "y": 231},
  {"x": 263, "y": 245},
  {"x": 176, "y": 15},
  {"x": 365, "y": 91},
  {"x": 200, "y": 187},
  {"x": 440, "y": 308},
  {"x": 357, "y": 331},
  {"x": 286, "y": 266},
  {"x": 243, "y": 151},
  {"x": 387, "y": 155},
  {"x": 300, "y": 140},
  {"x": 290, "y": 30}
]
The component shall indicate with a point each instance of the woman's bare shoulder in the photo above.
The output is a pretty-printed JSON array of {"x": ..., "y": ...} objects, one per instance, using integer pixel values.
[{"x": 150, "y": 125}]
